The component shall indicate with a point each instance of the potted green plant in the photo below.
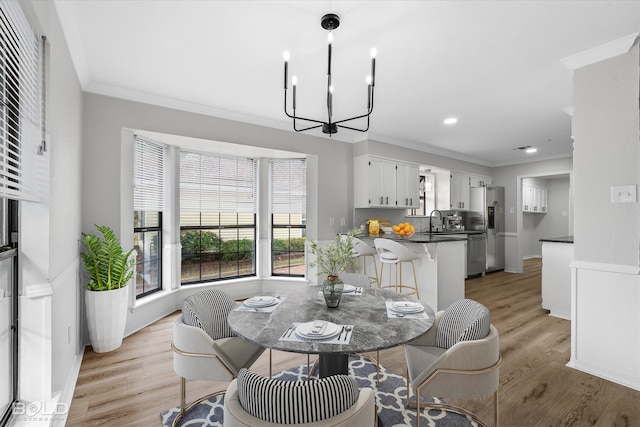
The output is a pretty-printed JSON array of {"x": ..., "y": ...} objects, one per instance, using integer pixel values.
[
  {"x": 109, "y": 269},
  {"x": 333, "y": 259}
]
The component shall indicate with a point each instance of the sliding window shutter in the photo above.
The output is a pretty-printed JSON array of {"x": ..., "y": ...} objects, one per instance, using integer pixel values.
[
  {"x": 150, "y": 160},
  {"x": 213, "y": 183},
  {"x": 288, "y": 186},
  {"x": 20, "y": 104}
]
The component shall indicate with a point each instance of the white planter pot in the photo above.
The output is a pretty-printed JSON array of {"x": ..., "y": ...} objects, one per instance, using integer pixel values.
[{"x": 106, "y": 318}]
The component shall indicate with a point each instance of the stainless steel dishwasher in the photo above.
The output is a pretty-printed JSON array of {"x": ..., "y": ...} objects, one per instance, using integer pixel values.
[{"x": 476, "y": 254}]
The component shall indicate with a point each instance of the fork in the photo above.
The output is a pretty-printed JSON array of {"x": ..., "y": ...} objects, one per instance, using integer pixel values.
[{"x": 346, "y": 330}]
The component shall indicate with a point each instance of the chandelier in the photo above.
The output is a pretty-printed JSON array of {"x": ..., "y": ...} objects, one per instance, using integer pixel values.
[{"x": 329, "y": 22}]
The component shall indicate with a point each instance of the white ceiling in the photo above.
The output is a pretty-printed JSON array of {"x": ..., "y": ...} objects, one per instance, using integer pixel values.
[{"x": 495, "y": 65}]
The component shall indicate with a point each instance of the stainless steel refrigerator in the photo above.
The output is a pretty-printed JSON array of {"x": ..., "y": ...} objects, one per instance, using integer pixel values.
[{"x": 487, "y": 214}]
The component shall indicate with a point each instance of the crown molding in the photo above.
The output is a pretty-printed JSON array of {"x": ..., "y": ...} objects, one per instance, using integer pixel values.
[{"x": 600, "y": 53}]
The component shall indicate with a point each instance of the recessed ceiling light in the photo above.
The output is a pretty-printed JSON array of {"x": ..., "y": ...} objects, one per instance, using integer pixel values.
[
  {"x": 527, "y": 149},
  {"x": 450, "y": 120}
]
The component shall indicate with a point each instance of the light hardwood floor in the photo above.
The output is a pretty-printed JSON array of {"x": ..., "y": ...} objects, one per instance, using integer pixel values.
[{"x": 130, "y": 386}]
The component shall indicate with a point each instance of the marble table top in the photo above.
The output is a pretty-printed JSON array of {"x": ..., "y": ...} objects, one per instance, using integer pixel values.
[{"x": 373, "y": 329}]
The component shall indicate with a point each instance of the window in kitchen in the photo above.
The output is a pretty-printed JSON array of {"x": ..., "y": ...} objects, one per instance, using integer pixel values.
[
  {"x": 287, "y": 195},
  {"x": 427, "y": 190},
  {"x": 150, "y": 160},
  {"x": 217, "y": 217}
]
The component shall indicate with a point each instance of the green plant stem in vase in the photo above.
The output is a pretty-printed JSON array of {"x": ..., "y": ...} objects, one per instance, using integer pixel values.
[{"x": 332, "y": 289}]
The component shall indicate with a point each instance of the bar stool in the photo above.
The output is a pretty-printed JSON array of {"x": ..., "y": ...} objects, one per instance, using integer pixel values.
[
  {"x": 391, "y": 252},
  {"x": 363, "y": 250}
]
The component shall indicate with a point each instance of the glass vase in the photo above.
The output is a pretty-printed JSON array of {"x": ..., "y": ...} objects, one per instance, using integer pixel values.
[{"x": 332, "y": 291}]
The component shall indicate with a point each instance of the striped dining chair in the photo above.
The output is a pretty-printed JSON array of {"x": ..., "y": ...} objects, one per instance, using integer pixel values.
[{"x": 205, "y": 347}]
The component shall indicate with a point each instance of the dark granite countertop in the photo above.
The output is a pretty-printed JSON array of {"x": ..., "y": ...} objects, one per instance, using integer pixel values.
[
  {"x": 563, "y": 239},
  {"x": 419, "y": 237}
]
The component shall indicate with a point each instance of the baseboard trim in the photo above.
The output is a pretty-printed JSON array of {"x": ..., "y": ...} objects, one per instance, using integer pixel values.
[
  {"x": 605, "y": 373},
  {"x": 67, "y": 394}
]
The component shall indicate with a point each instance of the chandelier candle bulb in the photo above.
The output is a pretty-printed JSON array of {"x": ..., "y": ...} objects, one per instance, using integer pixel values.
[
  {"x": 286, "y": 73},
  {"x": 294, "y": 82}
]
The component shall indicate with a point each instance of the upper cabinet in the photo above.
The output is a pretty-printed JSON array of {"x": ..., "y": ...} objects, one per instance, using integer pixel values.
[
  {"x": 534, "y": 199},
  {"x": 407, "y": 186},
  {"x": 385, "y": 183},
  {"x": 459, "y": 191},
  {"x": 479, "y": 181},
  {"x": 454, "y": 194}
]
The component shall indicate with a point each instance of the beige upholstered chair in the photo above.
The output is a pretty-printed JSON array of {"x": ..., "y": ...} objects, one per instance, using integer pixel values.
[
  {"x": 394, "y": 253},
  {"x": 364, "y": 250},
  {"x": 204, "y": 347},
  {"x": 458, "y": 358},
  {"x": 254, "y": 401}
]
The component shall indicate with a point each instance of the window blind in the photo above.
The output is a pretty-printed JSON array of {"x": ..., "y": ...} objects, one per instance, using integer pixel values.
[
  {"x": 214, "y": 183},
  {"x": 20, "y": 105},
  {"x": 149, "y": 175},
  {"x": 288, "y": 186}
]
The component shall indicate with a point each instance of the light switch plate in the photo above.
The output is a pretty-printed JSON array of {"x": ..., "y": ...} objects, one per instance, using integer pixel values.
[{"x": 624, "y": 194}]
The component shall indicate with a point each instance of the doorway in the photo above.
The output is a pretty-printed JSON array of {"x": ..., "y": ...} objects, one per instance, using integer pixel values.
[{"x": 557, "y": 221}]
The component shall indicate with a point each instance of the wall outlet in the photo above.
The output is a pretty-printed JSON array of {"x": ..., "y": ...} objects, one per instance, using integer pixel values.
[
  {"x": 343, "y": 222},
  {"x": 624, "y": 194},
  {"x": 332, "y": 222}
]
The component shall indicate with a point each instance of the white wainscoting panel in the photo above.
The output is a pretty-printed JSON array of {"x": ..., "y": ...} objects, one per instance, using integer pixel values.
[
  {"x": 511, "y": 252},
  {"x": 605, "y": 332}
]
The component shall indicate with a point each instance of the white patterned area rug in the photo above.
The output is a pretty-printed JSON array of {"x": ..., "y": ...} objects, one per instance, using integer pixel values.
[{"x": 390, "y": 397}]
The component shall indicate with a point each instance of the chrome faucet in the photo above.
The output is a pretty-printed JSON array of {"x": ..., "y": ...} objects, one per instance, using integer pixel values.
[{"x": 430, "y": 216}]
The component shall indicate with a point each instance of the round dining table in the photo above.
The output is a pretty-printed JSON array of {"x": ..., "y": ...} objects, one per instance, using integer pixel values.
[{"x": 373, "y": 326}]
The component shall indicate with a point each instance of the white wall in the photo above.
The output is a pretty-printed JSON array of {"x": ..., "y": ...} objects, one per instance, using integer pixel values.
[{"x": 605, "y": 279}]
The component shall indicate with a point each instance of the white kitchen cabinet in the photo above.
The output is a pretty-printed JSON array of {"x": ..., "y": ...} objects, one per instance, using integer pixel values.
[
  {"x": 534, "y": 199},
  {"x": 479, "y": 180},
  {"x": 385, "y": 183},
  {"x": 459, "y": 191},
  {"x": 556, "y": 277},
  {"x": 407, "y": 183}
]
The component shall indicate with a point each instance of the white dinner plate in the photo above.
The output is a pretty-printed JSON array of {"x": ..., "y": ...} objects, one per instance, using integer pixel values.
[
  {"x": 406, "y": 307},
  {"x": 261, "y": 301},
  {"x": 305, "y": 330},
  {"x": 347, "y": 289}
]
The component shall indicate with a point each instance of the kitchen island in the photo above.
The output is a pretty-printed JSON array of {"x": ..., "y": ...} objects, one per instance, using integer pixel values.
[
  {"x": 557, "y": 254},
  {"x": 440, "y": 267}
]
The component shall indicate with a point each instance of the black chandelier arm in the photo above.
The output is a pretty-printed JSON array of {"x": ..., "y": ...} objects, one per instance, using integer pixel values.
[
  {"x": 354, "y": 118},
  {"x": 370, "y": 110},
  {"x": 294, "y": 117},
  {"x": 307, "y": 128},
  {"x": 356, "y": 129}
]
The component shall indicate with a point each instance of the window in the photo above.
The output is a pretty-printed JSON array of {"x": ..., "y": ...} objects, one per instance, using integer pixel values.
[
  {"x": 217, "y": 217},
  {"x": 288, "y": 205},
  {"x": 20, "y": 105},
  {"x": 148, "y": 204},
  {"x": 19, "y": 102},
  {"x": 147, "y": 241}
]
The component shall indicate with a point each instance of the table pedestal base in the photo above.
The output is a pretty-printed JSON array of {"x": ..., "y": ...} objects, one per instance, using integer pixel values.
[{"x": 333, "y": 364}]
